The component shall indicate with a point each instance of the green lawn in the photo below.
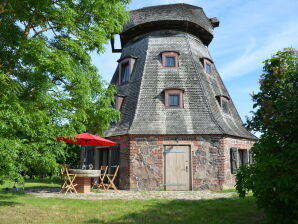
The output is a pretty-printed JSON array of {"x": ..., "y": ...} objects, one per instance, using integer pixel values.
[{"x": 22, "y": 208}]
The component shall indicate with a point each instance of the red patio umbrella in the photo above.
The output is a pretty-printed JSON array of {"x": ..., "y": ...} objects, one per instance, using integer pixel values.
[{"x": 88, "y": 139}]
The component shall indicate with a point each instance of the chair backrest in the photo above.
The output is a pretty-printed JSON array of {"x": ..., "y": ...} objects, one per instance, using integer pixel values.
[
  {"x": 116, "y": 171},
  {"x": 103, "y": 169},
  {"x": 64, "y": 169}
]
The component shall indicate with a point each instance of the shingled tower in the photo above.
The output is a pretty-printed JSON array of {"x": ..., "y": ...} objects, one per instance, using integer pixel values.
[{"x": 179, "y": 128}]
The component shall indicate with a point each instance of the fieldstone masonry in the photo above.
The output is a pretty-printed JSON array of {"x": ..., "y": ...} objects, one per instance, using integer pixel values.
[{"x": 142, "y": 160}]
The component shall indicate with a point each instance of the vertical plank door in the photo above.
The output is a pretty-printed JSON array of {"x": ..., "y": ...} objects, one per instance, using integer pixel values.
[{"x": 177, "y": 167}]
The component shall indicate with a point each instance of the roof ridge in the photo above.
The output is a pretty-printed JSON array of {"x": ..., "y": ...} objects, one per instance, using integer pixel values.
[
  {"x": 154, "y": 6},
  {"x": 202, "y": 86},
  {"x": 139, "y": 92}
]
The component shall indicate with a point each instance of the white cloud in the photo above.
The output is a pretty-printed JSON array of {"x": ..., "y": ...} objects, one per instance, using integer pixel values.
[{"x": 251, "y": 59}]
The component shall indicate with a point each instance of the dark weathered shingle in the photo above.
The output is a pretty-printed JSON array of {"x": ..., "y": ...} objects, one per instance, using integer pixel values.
[
  {"x": 144, "y": 111},
  {"x": 175, "y": 16}
]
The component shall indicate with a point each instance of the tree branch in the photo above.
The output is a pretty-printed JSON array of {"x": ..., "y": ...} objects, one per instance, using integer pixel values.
[
  {"x": 27, "y": 29},
  {"x": 44, "y": 30}
]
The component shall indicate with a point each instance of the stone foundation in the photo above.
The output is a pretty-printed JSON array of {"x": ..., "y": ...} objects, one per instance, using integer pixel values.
[{"x": 142, "y": 160}]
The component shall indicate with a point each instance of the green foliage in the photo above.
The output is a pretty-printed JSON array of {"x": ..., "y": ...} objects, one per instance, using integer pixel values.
[
  {"x": 48, "y": 85},
  {"x": 273, "y": 177}
]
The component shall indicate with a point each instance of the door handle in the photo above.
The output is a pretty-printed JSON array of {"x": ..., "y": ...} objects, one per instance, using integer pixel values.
[{"x": 186, "y": 168}]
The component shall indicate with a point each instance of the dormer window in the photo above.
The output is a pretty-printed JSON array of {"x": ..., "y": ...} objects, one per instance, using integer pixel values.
[
  {"x": 124, "y": 72},
  {"x": 126, "y": 65},
  {"x": 174, "y": 98},
  {"x": 170, "y": 61},
  {"x": 224, "y": 103},
  {"x": 208, "y": 68},
  {"x": 208, "y": 65},
  {"x": 118, "y": 100},
  {"x": 170, "y": 58}
]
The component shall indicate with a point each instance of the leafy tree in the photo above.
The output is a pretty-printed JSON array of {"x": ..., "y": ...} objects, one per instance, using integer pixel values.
[
  {"x": 48, "y": 86},
  {"x": 273, "y": 178}
]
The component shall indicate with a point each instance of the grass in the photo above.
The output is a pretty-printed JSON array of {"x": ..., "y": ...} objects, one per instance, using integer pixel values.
[{"x": 24, "y": 208}]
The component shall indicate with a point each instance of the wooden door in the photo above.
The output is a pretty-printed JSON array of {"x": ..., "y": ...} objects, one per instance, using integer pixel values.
[{"x": 177, "y": 167}]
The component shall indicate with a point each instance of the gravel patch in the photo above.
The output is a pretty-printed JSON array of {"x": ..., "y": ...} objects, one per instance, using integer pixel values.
[{"x": 133, "y": 195}]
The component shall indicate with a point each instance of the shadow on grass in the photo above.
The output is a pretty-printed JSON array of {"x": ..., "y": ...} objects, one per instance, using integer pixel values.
[
  {"x": 217, "y": 211},
  {"x": 5, "y": 196},
  {"x": 93, "y": 221},
  {"x": 41, "y": 189},
  {"x": 9, "y": 203}
]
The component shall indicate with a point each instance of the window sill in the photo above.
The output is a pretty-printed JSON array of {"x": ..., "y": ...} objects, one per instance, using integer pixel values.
[
  {"x": 174, "y": 107},
  {"x": 122, "y": 84}
]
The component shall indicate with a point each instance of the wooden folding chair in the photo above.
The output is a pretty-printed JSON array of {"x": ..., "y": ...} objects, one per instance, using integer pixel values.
[
  {"x": 111, "y": 178},
  {"x": 102, "y": 176},
  {"x": 68, "y": 178}
]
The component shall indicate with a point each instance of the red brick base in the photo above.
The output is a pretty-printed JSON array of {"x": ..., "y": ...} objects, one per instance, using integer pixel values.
[{"x": 83, "y": 184}]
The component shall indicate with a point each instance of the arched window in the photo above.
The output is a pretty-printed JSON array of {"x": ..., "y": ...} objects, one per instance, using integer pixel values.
[
  {"x": 125, "y": 68},
  {"x": 174, "y": 98},
  {"x": 170, "y": 58}
]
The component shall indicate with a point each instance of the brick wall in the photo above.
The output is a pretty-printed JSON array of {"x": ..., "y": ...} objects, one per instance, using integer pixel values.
[{"x": 228, "y": 180}]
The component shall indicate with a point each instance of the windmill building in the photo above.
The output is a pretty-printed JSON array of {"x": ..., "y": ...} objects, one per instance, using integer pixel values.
[{"x": 179, "y": 128}]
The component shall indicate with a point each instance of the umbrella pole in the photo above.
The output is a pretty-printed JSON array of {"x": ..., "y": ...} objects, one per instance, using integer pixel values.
[{"x": 83, "y": 148}]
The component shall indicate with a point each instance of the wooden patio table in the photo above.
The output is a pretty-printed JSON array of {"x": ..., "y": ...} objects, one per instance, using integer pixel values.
[{"x": 83, "y": 179}]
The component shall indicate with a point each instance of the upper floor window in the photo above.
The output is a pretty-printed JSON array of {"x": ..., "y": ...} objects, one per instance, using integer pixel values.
[
  {"x": 126, "y": 65},
  {"x": 118, "y": 100},
  {"x": 174, "y": 98},
  {"x": 208, "y": 68},
  {"x": 224, "y": 103},
  {"x": 170, "y": 58},
  {"x": 124, "y": 73},
  {"x": 208, "y": 65}
]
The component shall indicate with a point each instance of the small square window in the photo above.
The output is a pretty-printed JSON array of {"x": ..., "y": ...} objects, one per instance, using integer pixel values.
[
  {"x": 208, "y": 68},
  {"x": 170, "y": 61},
  {"x": 124, "y": 72},
  {"x": 174, "y": 100}
]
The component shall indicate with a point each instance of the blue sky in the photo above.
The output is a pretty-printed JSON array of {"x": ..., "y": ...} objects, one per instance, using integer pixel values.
[{"x": 249, "y": 32}]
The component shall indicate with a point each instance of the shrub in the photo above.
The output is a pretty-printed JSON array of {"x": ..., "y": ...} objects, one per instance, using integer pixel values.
[{"x": 273, "y": 178}]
